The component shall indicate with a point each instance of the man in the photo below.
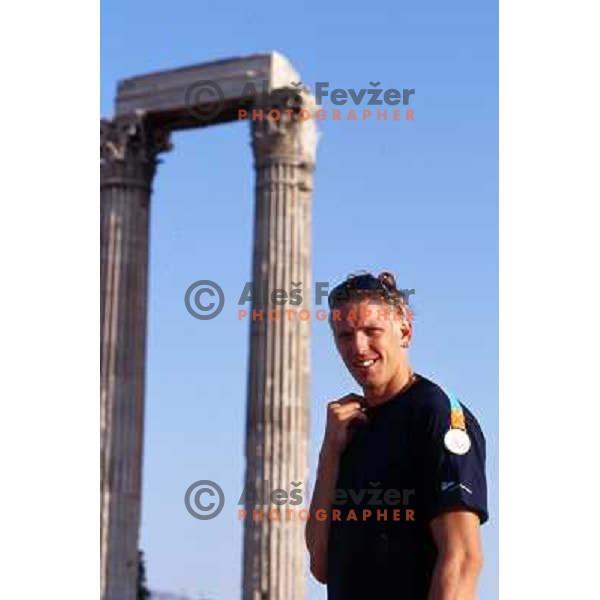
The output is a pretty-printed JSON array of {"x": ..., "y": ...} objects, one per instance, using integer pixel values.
[{"x": 401, "y": 475}]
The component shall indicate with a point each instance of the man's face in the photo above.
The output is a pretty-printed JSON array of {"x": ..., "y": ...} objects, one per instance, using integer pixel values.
[{"x": 370, "y": 345}]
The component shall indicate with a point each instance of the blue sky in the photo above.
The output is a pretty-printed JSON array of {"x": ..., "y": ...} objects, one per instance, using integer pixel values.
[{"x": 420, "y": 199}]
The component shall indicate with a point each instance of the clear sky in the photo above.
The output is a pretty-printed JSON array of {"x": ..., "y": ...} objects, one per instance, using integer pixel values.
[{"x": 420, "y": 199}]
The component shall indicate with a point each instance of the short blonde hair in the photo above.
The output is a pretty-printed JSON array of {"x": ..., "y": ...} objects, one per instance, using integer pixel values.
[{"x": 361, "y": 286}]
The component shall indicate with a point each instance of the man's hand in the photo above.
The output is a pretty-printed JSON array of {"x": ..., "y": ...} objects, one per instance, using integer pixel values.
[{"x": 342, "y": 417}]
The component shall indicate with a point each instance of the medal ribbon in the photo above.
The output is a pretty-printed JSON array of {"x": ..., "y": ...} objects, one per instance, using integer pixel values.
[{"x": 457, "y": 416}]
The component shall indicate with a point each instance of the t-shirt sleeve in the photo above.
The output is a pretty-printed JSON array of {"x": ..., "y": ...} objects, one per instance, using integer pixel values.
[{"x": 453, "y": 481}]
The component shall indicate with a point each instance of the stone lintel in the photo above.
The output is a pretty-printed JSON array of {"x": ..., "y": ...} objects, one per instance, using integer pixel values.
[{"x": 165, "y": 96}]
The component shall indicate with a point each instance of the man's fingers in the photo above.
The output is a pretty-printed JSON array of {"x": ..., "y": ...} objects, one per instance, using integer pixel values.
[
  {"x": 347, "y": 405},
  {"x": 342, "y": 417},
  {"x": 349, "y": 415},
  {"x": 342, "y": 411},
  {"x": 347, "y": 399}
]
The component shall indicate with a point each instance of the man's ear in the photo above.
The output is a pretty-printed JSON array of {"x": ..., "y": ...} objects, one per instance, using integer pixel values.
[{"x": 405, "y": 332}]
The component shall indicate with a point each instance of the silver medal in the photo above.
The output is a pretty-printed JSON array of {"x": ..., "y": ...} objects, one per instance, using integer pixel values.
[{"x": 457, "y": 441}]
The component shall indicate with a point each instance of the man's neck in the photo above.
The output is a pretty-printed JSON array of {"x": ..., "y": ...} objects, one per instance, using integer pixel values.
[{"x": 402, "y": 381}]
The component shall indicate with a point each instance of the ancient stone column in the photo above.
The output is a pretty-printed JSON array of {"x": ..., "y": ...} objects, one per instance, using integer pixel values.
[
  {"x": 278, "y": 379},
  {"x": 128, "y": 150}
]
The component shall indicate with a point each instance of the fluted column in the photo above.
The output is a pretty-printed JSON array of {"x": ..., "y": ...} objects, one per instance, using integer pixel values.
[
  {"x": 128, "y": 153},
  {"x": 278, "y": 378}
]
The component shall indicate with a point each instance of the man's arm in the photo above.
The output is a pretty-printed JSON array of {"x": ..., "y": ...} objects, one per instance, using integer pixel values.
[
  {"x": 317, "y": 532},
  {"x": 460, "y": 557},
  {"x": 340, "y": 415}
]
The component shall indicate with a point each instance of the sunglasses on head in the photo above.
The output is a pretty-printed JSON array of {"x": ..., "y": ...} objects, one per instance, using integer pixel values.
[{"x": 360, "y": 285}]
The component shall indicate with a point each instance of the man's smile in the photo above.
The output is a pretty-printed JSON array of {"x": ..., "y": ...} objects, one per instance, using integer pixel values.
[{"x": 364, "y": 365}]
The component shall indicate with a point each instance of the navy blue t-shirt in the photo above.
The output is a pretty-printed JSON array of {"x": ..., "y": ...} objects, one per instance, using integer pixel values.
[{"x": 397, "y": 464}]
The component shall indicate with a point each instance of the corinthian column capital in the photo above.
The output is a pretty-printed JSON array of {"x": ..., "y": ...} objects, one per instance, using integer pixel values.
[
  {"x": 287, "y": 131},
  {"x": 129, "y": 147}
]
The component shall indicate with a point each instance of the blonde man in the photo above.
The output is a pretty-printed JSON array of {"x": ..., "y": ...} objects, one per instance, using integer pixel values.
[{"x": 401, "y": 491}]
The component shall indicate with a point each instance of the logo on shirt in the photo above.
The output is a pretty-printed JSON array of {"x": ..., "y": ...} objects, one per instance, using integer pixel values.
[{"x": 450, "y": 486}]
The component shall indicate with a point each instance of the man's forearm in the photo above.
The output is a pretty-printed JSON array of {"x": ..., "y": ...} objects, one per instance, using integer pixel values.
[
  {"x": 317, "y": 530},
  {"x": 455, "y": 578}
]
